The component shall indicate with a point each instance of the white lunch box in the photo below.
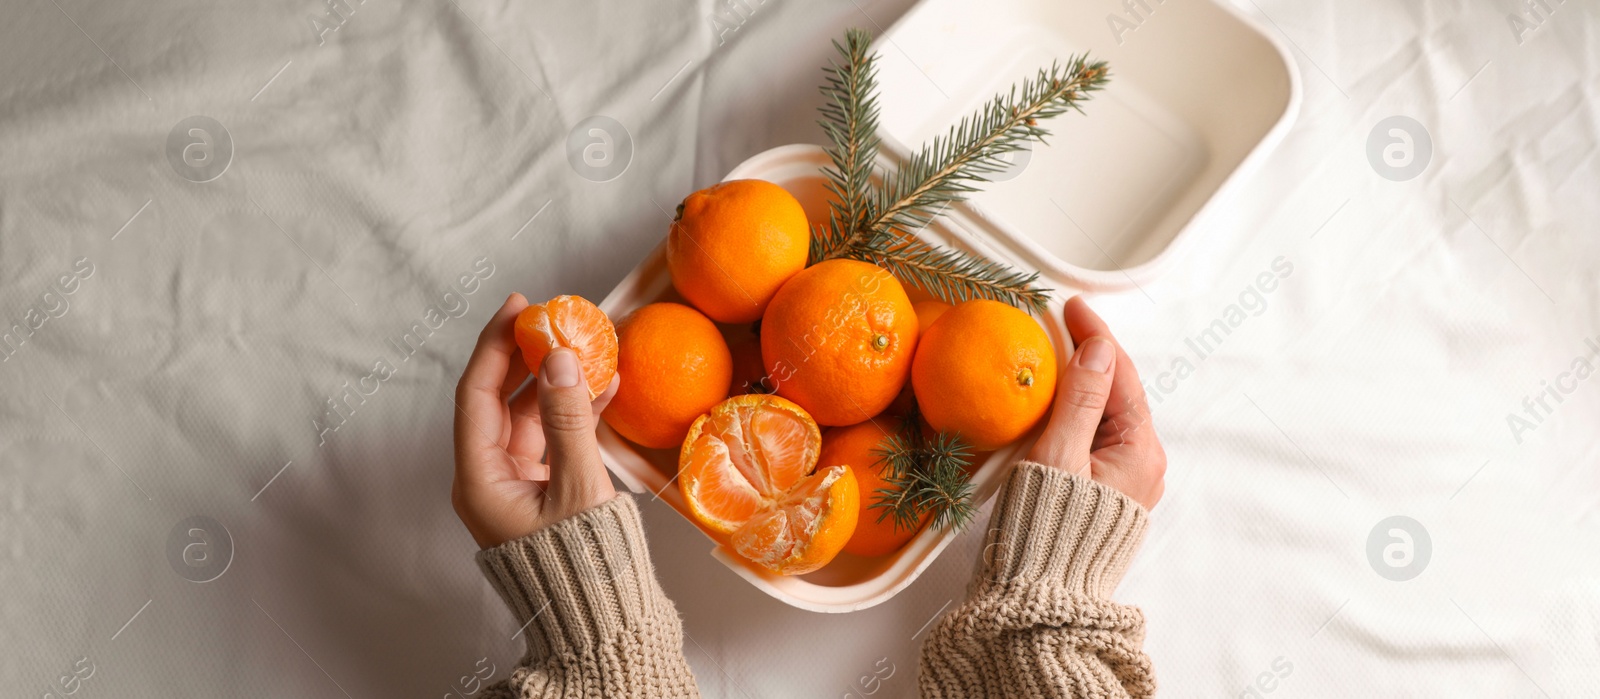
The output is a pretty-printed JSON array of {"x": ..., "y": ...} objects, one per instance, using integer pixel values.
[{"x": 1198, "y": 95}]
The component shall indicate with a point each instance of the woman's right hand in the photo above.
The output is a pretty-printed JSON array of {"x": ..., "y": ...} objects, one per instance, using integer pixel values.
[
  {"x": 1100, "y": 427},
  {"x": 524, "y": 460}
]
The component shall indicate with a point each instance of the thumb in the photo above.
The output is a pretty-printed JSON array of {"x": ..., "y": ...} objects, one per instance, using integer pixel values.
[
  {"x": 567, "y": 420},
  {"x": 1081, "y": 396}
]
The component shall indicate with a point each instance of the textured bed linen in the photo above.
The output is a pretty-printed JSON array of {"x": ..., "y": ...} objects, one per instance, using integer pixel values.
[{"x": 408, "y": 169}]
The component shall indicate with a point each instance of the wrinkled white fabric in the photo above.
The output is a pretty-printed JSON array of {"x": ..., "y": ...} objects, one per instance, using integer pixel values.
[{"x": 397, "y": 172}]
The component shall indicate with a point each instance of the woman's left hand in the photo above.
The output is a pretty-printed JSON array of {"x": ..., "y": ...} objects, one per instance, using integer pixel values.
[{"x": 524, "y": 461}]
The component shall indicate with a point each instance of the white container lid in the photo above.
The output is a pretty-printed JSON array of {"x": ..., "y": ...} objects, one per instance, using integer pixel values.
[{"x": 1198, "y": 93}]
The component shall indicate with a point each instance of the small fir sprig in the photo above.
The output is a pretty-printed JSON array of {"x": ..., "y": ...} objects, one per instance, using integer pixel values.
[
  {"x": 880, "y": 226},
  {"x": 924, "y": 476}
]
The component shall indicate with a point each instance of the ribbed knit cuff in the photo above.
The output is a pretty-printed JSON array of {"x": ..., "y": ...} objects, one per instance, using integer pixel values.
[
  {"x": 1052, "y": 527},
  {"x": 580, "y": 582}
]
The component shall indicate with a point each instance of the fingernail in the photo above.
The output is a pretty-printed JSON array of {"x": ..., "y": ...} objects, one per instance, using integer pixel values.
[
  {"x": 561, "y": 368},
  {"x": 1096, "y": 354}
]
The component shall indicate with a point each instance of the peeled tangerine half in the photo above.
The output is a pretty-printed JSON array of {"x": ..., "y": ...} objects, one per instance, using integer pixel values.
[
  {"x": 746, "y": 472},
  {"x": 576, "y": 324}
]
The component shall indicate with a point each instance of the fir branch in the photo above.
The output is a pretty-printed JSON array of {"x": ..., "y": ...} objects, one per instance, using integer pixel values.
[
  {"x": 898, "y": 453},
  {"x": 947, "y": 484},
  {"x": 946, "y": 169},
  {"x": 878, "y": 224},
  {"x": 827, "y": 241},
  {"x": 850, "y": 119},
  {"x": 924, "y": 477},
  {"x": 953, "y": 275}
]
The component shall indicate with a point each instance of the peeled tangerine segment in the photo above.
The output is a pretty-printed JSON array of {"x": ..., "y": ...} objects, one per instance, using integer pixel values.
[
  {"x": 576, "y": 324},
  {"x": 723, "y": 495},
  {"x": 747, "y": 453},
  {"x": 771, "y": 448},
  {"x": 745, "y": 472},
  {"x": 777, "y": 537}
]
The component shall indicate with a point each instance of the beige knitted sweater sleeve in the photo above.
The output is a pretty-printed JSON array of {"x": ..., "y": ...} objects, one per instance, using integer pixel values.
[
  {"x": 1038, "y": 621},
  {"x": 596, "y": 620}
]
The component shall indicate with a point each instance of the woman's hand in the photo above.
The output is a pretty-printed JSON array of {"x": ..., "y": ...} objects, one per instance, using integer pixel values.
[
  {"x": 1100, "y": 427},
  {"x": 504, "y": 487}
]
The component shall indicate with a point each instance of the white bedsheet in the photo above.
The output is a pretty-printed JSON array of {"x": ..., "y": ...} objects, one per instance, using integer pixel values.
[{"x": 187, "y": 372}]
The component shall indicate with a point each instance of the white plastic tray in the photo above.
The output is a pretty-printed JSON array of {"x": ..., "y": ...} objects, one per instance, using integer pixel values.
[
  {"x": 1101, "y": 208},
  {"x": 849, "y": 582}
]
